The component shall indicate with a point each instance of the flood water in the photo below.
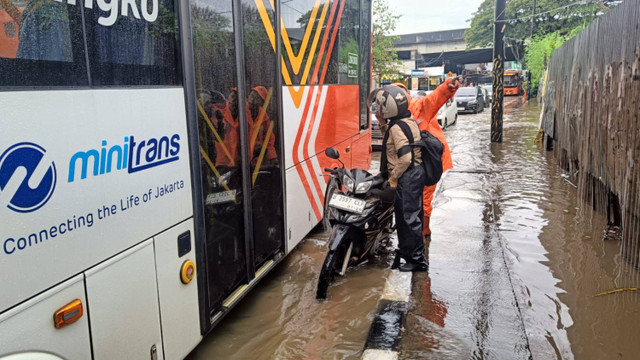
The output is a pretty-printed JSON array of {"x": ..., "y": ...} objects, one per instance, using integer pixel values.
[
  {"x": 281, "y": 318},
  {"x": 516, "y": 260},
  {"x": 515, "y": 264}
]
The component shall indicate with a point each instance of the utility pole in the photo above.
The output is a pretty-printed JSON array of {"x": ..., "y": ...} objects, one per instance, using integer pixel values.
[
  {"x": 533, "y": 19},
  {"x": 533, "y": 30},
  {"x": 499, "y": 27}
]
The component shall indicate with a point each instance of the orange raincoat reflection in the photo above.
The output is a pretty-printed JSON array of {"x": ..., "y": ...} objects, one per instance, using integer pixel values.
[{"x": 260, "y": 126}]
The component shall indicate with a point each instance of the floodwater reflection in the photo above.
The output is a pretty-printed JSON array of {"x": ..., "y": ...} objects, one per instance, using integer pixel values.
[{"x": 515, "y": 261}]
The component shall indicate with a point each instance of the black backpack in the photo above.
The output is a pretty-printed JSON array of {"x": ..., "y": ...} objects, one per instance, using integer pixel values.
[{"x": 431, "y": 149}]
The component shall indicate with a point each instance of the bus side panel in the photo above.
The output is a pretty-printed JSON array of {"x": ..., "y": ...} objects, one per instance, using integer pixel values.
[
  {"x": 123, "y": 306},
  {"x": 30, "y": 326},
  {"x": 178, "y": 301},
  {"x": 111, "y": 168},
  {"x": 326, "y": 116},
  {"x": 316, "y": 117},
  {"x": 361, "y": 151},
  {"x": 340, "y": 117},
  {"x": 305, "y": 197}
]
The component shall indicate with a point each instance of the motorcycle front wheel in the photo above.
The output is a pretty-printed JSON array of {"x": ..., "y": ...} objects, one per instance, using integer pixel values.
[{"x": 332, "y": 265}]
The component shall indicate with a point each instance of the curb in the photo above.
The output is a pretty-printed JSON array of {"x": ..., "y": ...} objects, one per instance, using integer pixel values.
[{"x": 384, "y": 335}]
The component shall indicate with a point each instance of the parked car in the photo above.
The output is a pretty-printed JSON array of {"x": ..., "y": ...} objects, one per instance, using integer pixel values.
[
  {"x": 489, "y": 89},
  {"x": 469, "y": 99},
  {"x": 376, "y": 134},
  {"x": 418, "y": 94},
  {"x": 448, "y": 114},
  {"x": 487, "y": 102}
]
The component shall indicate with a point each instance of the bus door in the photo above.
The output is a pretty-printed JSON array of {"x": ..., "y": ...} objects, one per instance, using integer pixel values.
[
  {"x": 238, "y": 139},
  {"x": 264, "y": 128}
]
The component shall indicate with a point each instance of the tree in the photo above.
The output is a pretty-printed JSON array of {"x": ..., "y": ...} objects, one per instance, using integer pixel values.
[
  {"x": 538, "y": 53},
  {"x": 560, "y": 16},
  {"x": 385, "y": 58}
]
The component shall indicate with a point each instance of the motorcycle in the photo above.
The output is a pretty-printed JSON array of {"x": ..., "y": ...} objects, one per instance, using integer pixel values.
[{"x": 359, "y": 209}]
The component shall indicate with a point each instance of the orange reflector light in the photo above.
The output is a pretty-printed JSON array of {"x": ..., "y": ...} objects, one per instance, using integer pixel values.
[
  {"x": 187, "y": 272},
  {"x": 68, "y": 314}
]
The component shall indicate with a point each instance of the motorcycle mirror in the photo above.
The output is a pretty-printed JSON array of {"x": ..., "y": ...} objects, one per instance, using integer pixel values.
[{"x": 332, "y": 153}]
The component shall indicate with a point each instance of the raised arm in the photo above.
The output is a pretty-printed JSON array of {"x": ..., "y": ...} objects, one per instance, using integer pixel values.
[{"x": 431, "y": 103}]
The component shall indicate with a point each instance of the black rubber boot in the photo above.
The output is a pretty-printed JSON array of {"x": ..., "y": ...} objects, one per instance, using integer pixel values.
[
  {"x": 396, "y": 261},
  {"x": 417, "y": 262},
  {"x": 411, "y": 266}
]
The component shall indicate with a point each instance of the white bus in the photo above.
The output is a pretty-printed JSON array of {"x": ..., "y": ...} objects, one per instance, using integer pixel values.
[{"x": 159, "y": 157}]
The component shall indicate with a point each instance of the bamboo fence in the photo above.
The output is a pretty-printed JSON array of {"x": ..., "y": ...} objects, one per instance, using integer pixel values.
[{"x": 591, "y": 108}]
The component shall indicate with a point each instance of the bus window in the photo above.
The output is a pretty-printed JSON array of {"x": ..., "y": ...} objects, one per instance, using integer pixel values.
[
  {"x": 41, "y": 44},
  {"x": 365, "y": 61},
  {"x": 133, "y": 45},
  {"x": 348, "y": 45}
]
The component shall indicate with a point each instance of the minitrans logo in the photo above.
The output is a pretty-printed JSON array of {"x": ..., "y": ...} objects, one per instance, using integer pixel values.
[{"x": 27, "y": 179}]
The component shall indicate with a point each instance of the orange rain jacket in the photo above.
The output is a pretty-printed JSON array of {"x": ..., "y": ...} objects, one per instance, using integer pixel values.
[
  {"x": 229, "y": 134},
  {"x": 425, "y": 112},
  {"x": 258, "y": 130}
]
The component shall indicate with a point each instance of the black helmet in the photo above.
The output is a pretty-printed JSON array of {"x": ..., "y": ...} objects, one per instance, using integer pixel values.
[{"x": 391, "y": 101}]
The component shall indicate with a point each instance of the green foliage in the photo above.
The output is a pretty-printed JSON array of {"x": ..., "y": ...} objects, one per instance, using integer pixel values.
[
  {"x": 385, "y": 58},
  {"x": 480, "y": 34},
  {"x": 560, "y": 16},
  {"x": 538, "y": 52}
]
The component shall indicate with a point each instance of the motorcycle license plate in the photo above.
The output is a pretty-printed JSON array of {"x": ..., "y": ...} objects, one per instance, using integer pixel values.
[
  {"x": 347, "y": 203},
  {"x": 221, "y": 197}
]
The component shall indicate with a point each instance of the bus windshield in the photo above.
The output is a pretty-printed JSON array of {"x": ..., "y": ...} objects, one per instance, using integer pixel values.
[{"x": 510, "y": 80}]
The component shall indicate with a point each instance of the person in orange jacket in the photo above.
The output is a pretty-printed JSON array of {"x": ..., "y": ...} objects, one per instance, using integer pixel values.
[
  {"x": 227, "y": 151},
  {"x": 259, "y": 124},
  {"x": 425, "y": 111}
]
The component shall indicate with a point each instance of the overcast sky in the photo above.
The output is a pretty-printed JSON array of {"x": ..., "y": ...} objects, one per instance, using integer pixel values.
[{"x": 432, "y": 15}]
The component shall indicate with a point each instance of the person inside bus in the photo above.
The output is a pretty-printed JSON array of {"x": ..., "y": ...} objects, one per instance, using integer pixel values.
[
  {"x": 403, "y": 174},
  {"x": 261, "y": 129},
  {"x": 227, "y": 151},
  {"x": 425, "y": 111}
]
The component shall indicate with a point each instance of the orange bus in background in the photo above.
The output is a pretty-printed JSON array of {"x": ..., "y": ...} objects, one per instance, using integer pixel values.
[{"x": 513, "y": 82}]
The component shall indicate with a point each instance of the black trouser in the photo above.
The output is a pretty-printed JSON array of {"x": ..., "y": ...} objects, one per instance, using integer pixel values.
[{"x": 409, "y": 214}]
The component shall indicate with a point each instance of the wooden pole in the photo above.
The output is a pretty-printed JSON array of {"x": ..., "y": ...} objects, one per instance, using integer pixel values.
[
  {"x": 499, "y": 27},
  {"x": 533, "y": 30}
]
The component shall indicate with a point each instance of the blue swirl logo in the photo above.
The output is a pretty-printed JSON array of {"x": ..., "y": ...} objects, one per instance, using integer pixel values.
[{"x": 25, "y": 179}]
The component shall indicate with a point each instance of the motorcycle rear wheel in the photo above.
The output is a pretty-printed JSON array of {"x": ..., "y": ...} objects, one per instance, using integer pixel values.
[{"x": 332, "y": 265}]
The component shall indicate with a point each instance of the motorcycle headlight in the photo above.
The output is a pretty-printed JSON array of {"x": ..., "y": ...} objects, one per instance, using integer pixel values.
[
  {"x": 348, "y": 183},
  {"x": 363, "y": 187}
]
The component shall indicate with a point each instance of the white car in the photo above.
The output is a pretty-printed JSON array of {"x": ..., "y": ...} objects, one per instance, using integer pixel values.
[{"x": 448, "y": 114}]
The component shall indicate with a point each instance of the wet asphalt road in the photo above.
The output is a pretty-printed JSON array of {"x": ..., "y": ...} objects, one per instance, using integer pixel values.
[
  {"x": 515, "y": 258},
  {"x": 515, "y": 263}
]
